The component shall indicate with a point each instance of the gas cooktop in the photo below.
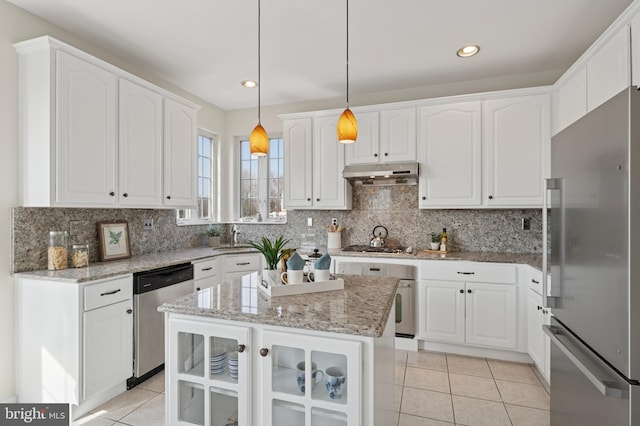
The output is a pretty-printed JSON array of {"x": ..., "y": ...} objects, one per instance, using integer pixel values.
[{"x": 368, "y": 249}]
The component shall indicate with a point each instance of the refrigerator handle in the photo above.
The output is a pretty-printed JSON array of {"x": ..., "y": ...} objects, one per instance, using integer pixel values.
[
  {"x": 549, "y": 298},
  {"x": 602, "y": 386}
]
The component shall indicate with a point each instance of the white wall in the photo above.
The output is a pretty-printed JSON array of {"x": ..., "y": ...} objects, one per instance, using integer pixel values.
[{"x": 17, "y": 25}]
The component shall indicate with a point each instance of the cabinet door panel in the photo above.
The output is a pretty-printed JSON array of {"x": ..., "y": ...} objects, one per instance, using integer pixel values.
[
  {"x": 329, "y": 187},
  {"x": 398, "y": 135},
  {"x": 108, "y": 347},
  {"x": 535, "y": 335},
  {"x": 179, "y": 155},
  {"x": 608, "y": 70},
  {"x": 297, "y": 163},
  {"x": 449, "y": 152},
  {"x": 517, "y": 141},
  {"x": 365, "y": 149},
  {"x": 85, "y": 133},
  {"x": 491, "y": 315},
  {"x": 443, "y": 315},
  {"x": 140, "y": 146}
]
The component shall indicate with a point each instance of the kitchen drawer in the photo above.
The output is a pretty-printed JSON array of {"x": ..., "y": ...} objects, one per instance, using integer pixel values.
[
  {"x": 205, "y": 268},
  {"x": 472, "y": 272},
  {"x": 107, "y": 292},
  {"x": 242, "y": 262}
]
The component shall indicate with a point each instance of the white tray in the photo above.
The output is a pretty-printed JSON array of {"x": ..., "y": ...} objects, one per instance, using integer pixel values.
[{"x": 306, "y": 287}]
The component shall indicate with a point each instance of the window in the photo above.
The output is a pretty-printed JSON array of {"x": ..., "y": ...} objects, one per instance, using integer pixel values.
[
  {"x": 205, "y": 212},
  {"x": 262, "y": 183}
]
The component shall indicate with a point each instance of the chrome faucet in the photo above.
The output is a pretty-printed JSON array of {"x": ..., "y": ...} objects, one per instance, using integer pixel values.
[{"x": 234, "y": 235}]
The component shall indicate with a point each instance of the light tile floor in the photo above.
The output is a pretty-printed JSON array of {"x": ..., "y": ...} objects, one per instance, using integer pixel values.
[{"x": 432, "y": 389}]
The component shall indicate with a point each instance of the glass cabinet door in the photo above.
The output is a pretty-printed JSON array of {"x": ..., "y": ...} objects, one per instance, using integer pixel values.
[
  {"x": 210, "y": 368},
  {"x": 310, "y": 381}
]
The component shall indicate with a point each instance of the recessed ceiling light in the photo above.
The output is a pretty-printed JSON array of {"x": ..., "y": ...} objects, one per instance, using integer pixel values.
[
  {"x": 467, "y": 51},
  {"x": 249, "y": 83}
]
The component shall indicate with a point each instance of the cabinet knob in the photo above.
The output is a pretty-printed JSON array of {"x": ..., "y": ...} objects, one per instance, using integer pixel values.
[
  {"x": 264, "y": 351},
  {"x": 168, "y": 197},
  {"x": 317, "y": 199},
  {"x": 535, "y": 281},
  {"x": 112, "y": 194},
  {"x": 539, "y": 307},
  {"x": 469, "y": 291},
  {"x": 461, "y": 291},
  {"x": 308, "y": 199},
  {"x": 197, "y": 288},
  {"x": 545, "y": 311},
  {"x": 424, "y": 198},
  {"x": 375, "y": 155},
  {"x": 386, "y": 154},
  {"x": 491, "y": 197},
  {"x": 129, "y": 311},
  {"x": 241, "y": 348},
  {"x": 125, "y": 195}
]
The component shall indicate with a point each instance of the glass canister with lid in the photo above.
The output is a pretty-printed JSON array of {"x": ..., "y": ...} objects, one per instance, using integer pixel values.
[
  {"x": 80, "y": 255},
  {"x": 57, "y": 252}
]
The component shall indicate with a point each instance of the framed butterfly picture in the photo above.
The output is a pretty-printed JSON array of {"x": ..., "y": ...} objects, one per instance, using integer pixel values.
[{"x": 113, "y": 240}]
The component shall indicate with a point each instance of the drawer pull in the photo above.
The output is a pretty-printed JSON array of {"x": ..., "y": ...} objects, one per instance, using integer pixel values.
[
  {"x": 535, "y": 281},
  {"x": 243, "y": 263},
  {"x": 207, "y": 269},
  {"x": 264, "y": 352},
  {"x": 129, "y": 311},
  {"x": 466, "y": 273},
  {"x": 109, "y": 292},
  {"x": 241, "y": 348},
  {"x": 461, "y": 291}
]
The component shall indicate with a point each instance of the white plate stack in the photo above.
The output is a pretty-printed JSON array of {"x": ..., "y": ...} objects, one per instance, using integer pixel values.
[
  {"x": 218, "y": 360},
  {"x": 233, "y": 365}
]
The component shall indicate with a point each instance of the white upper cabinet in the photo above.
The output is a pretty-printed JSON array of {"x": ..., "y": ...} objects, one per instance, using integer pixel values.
[
  {"x": 297, "y": 163},
  {"x": 516, "y": 142},
  {"x": 365, "y": 149},
  {"x": 313, "y": 162},
  {"x": 449, "y": 152},
  {"x": 180, "y": 152},
  {"x": 608, "y": 70},
  {"x": 91, "y": 134},
  {"x": 398, "y": 135},
  {"x": 83, "y": 164},
  {"x": 330, "y": 189},
  {"x": 385, "y": 136},
  {"x": 140, "y": 145}
]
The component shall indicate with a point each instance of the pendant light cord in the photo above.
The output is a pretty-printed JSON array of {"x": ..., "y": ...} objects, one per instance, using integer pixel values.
[
  {"x": 347, "y": 53},
  {"x": 259, "y": 62}
]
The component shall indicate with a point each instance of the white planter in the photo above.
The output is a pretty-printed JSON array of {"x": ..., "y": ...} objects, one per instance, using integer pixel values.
[
  {"x": 214, "y": 241},
  {"x": 271, "y": 276},
  {"x": 435, "y": 246}
]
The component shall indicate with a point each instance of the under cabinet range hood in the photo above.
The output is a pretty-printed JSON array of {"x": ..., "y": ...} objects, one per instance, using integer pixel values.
[{"x": 382, "y": 174}]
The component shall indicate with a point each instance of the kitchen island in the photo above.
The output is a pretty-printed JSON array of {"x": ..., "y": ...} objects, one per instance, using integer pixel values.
[{"x": 233, "y": 354}]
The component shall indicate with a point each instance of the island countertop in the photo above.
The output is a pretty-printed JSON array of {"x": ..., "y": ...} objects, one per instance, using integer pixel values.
[{"x": 362, "y": 308}]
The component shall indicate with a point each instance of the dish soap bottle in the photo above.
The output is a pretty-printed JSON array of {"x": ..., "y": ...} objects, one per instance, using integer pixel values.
[{"x": 443, "y": 241}]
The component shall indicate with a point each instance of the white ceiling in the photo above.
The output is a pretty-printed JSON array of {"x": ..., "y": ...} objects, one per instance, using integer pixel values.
[{"x": 208, "y": 46}]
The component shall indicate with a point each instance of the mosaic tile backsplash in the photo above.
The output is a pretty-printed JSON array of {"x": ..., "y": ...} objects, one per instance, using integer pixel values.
[{"x": 395, "y": 207}]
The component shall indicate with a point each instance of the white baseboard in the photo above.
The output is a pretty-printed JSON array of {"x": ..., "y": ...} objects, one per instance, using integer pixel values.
[
  {"x": 475, "y": 351},
  {"x": 406, "y": 344},
  {"x": 11, "y": 400}
]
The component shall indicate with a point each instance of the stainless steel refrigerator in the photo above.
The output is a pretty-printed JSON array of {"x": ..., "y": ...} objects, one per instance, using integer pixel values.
[{"x": 594, "y": 291}]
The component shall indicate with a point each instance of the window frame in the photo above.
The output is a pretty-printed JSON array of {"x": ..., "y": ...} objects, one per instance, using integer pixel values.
[{"x": 214, "y": 184}]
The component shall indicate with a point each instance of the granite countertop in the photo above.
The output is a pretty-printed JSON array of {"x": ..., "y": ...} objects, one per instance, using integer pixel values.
[
  {"x": 532, "y": 259},
  {"x": 101, "y": 270},
  {"x": 146, "y": 262},
  {"x": 362, "y": 308}
]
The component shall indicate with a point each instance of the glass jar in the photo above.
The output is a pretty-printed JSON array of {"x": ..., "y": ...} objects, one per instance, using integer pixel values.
[
  {"x": 80, "y": 255},
  {"x": 57, "y": 253}
]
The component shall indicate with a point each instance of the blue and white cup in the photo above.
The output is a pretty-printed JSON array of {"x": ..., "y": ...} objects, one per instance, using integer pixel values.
[
  {"x": 334, "y": 380},
  {"x": 316, "y": 376}
]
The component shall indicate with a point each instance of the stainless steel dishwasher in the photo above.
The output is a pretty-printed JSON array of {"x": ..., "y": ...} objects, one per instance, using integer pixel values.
[{"x": 150, "y": 290}]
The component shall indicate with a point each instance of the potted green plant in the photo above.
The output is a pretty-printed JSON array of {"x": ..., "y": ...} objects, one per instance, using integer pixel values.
[
  {"x": 435, "y": 240},
  {"x": 272, "y": 252},
  {"x": 213, "y": 232}
]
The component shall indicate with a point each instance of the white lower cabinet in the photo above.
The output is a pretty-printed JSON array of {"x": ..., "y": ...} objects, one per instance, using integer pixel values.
[
  {"x": 480, "y": 314},
  {"x": 219, "y": 372},
  {"x": 75, "y": 341},
  {"x": 538, "y": 343}
]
